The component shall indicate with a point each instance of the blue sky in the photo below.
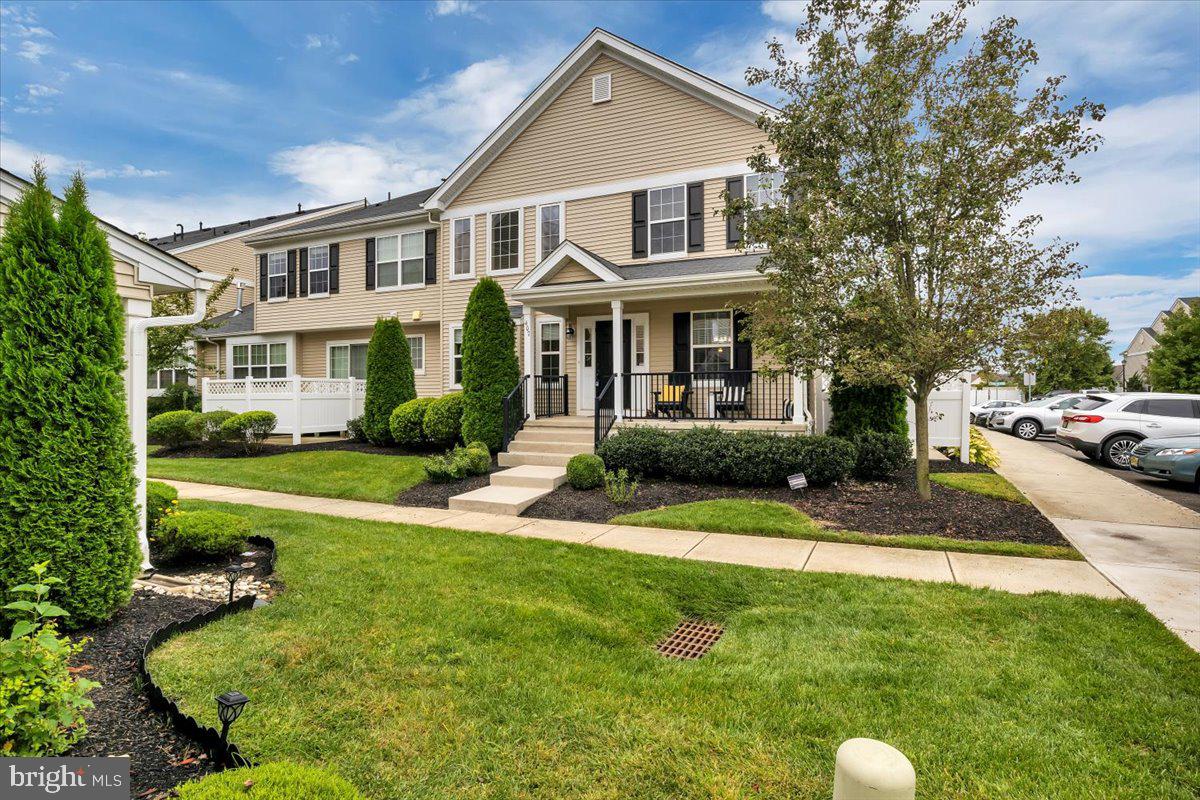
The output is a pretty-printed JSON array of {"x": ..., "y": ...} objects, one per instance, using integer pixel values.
[{"x": 188, "y": 112}]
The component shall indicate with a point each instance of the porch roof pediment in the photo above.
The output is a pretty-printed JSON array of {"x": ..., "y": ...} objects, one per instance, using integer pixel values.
[{"x": 570, "y": 253}]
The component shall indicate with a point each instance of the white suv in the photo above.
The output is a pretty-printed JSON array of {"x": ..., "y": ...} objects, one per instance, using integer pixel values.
[
  {"x": 1108, "y": 427},
  {"x": 1032, "y": 419}
]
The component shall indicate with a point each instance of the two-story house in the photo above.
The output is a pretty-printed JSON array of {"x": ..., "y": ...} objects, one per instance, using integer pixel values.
[{"x": 595, "y": 204}]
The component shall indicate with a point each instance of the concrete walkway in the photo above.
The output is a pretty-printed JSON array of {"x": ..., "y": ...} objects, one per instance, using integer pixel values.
[
  {"x": 1144, "y": 543},
  {"x": 1006, "y": 573}
]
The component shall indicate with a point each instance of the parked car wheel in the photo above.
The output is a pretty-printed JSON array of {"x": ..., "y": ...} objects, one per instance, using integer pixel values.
[
  {"x": 1027, "y": 429},
  {"x": 1116, "y": 450}
]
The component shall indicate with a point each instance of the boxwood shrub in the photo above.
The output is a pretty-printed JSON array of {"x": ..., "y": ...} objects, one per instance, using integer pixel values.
[
  {"x": 251, "y": 428},
  {"x": 278, "y": 781},
  {"x": 194, "y": 535},
  {"x": 206, "y": 427},
  {"x": 407, "y": 422},
  {"x": 443, "y": 420},
  {"x": 716, "y": 456},
  {"x": 585, "y": 471},
  {"x": 880, "y": 455},
  {"x": 173, "y": 428}
]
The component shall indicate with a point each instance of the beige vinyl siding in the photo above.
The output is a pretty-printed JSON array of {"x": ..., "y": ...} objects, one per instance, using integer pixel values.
[
  {"x": 211, "y": 360},
  {"x": 312, "y": 348},
  {"x": 571, "y": 273},
  {"x": 231, "y": 257},
  {"x": 354, "y": 305},
  {"x": 646, "y": 129},
  {"x": 128, "y": 286}
]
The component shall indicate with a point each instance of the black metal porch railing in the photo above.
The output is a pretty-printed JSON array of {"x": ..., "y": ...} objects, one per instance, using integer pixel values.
[
  {"x": 606, "y": 414},
  {"x": 515, "y": 411},
  {"x": 729, "y": 395},
  {"x": 550, "y": 395}
]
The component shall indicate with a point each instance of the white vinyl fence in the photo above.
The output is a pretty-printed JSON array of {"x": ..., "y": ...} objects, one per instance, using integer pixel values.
[
  {"x": 949, "y": 418},
  {"x": 301, "y": 405},
  {"x": 984, "y": 394}
]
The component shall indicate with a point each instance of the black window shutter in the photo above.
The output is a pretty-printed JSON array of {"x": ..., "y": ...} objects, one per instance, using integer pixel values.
[
  {"x": 695, "y": 217},
  {"x": 371, "y": 263},
  {"x": 304, "y": 272},
  {"x": 641, "y": 215},
  {"x": 333, "y": 269},
  {"x": 262, "y": 277},
  {"x": 291, "y": 273},
  {"x": 681, "y": 351},
  {"x": 431, "y": 256},
  {"x": 733, "y": 225},
  {"x": 742, "y": 351}
]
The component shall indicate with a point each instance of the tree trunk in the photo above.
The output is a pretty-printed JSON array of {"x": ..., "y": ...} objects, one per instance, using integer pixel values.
[{"x": 921, "y": 404}]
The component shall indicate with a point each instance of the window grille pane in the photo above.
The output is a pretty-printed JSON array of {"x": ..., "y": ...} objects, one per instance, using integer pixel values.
[
  {"x": 505, "y": 240},
  {"x": 318, "y": 282},
  {"x": 258, "y": 354},
  {"x": 385, "y": 249},
  {"x": 278, "y": 353},
  {"x": 241, "y": 355},
  {"x": 666, "y": 237},
  {"x": 318, "y": 258},
  {"x": 339, "y": 362},
  {"x": 413, "y": 246},
  {"x": 279, "y": 372},
  {"x": 550, "y": 337},
  {"x": 712, "y": 327},
  {"x": 456, "y": 356},
  {"x": 358, "y": 361},
  {"x": 386, "y": 274},
  {"x": 412, "y": 271},
  {"x": 551, "y": 229},
  {"x": 416, "y": 349}
]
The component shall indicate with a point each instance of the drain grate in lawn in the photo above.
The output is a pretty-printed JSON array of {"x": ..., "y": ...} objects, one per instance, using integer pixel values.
[{"x": 690, "y": 640}]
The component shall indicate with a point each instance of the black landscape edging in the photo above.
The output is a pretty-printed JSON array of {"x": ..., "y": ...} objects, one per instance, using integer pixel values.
[
  {"x": 224, "y": 754},
  {"x": 265, "y": 569}
]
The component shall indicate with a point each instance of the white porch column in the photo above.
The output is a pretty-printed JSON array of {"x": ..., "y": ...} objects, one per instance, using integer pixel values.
[
  {"x": 618, "y": 359},
  {"x": 799, "y": 398},
  {"x": 527, "y": 343}
]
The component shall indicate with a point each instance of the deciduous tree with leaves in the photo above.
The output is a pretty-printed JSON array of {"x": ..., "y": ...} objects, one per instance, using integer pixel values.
[
  {"x": 1175, "y": 363},
  {"x": 1066, "y": 348},
  {"x": 898, "y": 256},
  {"x": 168, "y": 347}
]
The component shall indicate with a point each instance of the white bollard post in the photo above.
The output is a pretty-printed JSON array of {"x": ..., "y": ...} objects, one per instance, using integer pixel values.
[{"x": 867, "y": 769}]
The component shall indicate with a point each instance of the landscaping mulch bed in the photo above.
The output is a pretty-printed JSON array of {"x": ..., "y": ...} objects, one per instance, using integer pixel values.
[
  {"x": 883, "y": 507},
  {"x": 122, "y": 722},
  {"x": 226, "y": 450},
  {"x": 429, "y": 494}
]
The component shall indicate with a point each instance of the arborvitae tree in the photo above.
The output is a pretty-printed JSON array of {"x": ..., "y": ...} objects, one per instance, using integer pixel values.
[
  {"x": 66, "y": 460},
  {"x": 490, "y": 370},
  {"x": 1175, "y": 363},
  {"x": 390, "y": 379}
]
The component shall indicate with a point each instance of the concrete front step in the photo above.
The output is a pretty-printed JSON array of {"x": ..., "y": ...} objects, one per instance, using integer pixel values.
[
  {"x": 561, "y": 422},
  {"x": 556, "y": 435},
  {"x": 570, "y": 448},
  {"x": 511, "y": 459},
  {"x": 531, "y": 477},
  {"x": 497, "y": 499}
]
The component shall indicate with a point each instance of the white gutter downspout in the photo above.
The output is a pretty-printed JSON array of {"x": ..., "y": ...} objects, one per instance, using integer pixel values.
[{"x": 138, "y": 359}]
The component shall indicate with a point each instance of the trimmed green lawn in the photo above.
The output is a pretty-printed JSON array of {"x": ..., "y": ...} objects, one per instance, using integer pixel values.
[
  {"x": 343, "y": 474},
  {"x": 985, "y": 483},
  {"x": 768, "y": 518},
  {"x": 426, "y": 663}
]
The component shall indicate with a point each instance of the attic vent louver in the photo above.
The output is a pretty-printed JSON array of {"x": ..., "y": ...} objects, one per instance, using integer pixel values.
[{"x": 602, "y": 88}]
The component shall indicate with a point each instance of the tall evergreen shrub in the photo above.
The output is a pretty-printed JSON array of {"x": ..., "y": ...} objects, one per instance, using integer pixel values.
[
  {"x": 490, "y": 369},
  {"x": 866, "y": 408},
  {"x": 390, "y": 380},
  {"x": 66, "y": 460}
]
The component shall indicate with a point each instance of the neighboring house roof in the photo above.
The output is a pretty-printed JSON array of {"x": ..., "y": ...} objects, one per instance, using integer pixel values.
[
  {"x": 743, "y": 262},
  {"x": 597, "y": 42},
  {"x": 1149, "y": 332},
  {"x": 409, "y": 205},
  {"x": 176, "y": 241},
  {"x": 231, "y": 323},
  {"x": 165, "y": 272}
]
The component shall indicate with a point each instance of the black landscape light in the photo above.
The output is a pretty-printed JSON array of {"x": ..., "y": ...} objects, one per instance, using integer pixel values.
[
  {"x": 229, "y": 708},
  {"x": 232, "y": 573}
]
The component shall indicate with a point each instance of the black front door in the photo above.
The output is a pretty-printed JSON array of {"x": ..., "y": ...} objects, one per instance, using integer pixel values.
[{"x": 604, "y": 365}]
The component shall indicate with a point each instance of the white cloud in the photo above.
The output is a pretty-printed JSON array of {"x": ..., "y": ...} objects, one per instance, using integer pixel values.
[
  {"x": 726, "y": 55},
  {"x": 84, "y": 66},
  {"x": 349, "y": 58},
  {"x": 40, "y": 90},
  {"x": 790, "y": 11},
  {"x": 157, "y": 215},
  {"x": 195, "y": 82},
  {"x": 336, "y": 171},
  {"x": 19, "y": 158},
  {"x": 445, "y": 8},
  {"x": 33, "y": 51},
  {"x": 316, "y": 41},
  {"x": 1130, "y": 302}
]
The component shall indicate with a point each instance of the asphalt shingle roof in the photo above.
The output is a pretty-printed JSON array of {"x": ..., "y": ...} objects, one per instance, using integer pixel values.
[
  {"x": 230, "y": 323},
  {"x": 381, "y": 210},
  {"x": 743, "y": 262},
  {"x": 177, "y": 240}
]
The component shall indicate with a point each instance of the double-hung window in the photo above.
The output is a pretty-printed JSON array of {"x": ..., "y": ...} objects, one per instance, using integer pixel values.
[
  {"x": 318, "y": 270},
  {"x": 277, "y": 276},
  {"x": 712, "y": 341},
  {"x": 416, "y": 351},
  {"x": 348, "y": 360},
  {"x": 550, "y": 336},
  {"x": 462, "y": 248},
  {"x": 456, "y": 354},
  {"x": 504, "y": 236},
  {"x": 549, "y": 228},
  {"x": 764, "y": 190},
  {"x": 163, "y": 378},
  {"x": 400, "y": 260},
  {"x": 668, "y": 225},
  {"x": 265, "y": 360}
]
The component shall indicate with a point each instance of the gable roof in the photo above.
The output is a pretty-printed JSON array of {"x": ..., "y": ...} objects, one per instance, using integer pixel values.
[
  {"x": 409, "y": 205},
  {"x": 597, "y": 42},
  {"x": 201, "y": 236},
  {"x": 231, "y": 323}
]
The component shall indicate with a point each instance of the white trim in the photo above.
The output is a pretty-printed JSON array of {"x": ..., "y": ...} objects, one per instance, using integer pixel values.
[
  {"x": 667, "y": 254},
  {"x": 288, "y": 339},
  {"x": 470, "y": 273},
  {"x": 329, "y": 345},
  {"x": 520, "y": 211},
  {"x": 537, "y": 344},
  {"x": 607, "y": 78},
  {"x": 596, "y": 43},
  {"x": 451, "y": 327},
  {"x": 308, "y": 292},
  {"x": 567, "y": 249},
  {"x": 281, "y": 298},
  {"x": 603, "y": 189},
  {"x": 692, "y": 337},
  {"x": 537, "y": 227},
  {"x": 400, "y": 285},
  {"x": 424, "y": 352},
  {"x": 291, "y": 219},
  {"x": 649, "y": 288}
]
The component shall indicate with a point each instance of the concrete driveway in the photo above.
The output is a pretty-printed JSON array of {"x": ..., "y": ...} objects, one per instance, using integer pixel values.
[{"x": 1145, "y": 544}]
